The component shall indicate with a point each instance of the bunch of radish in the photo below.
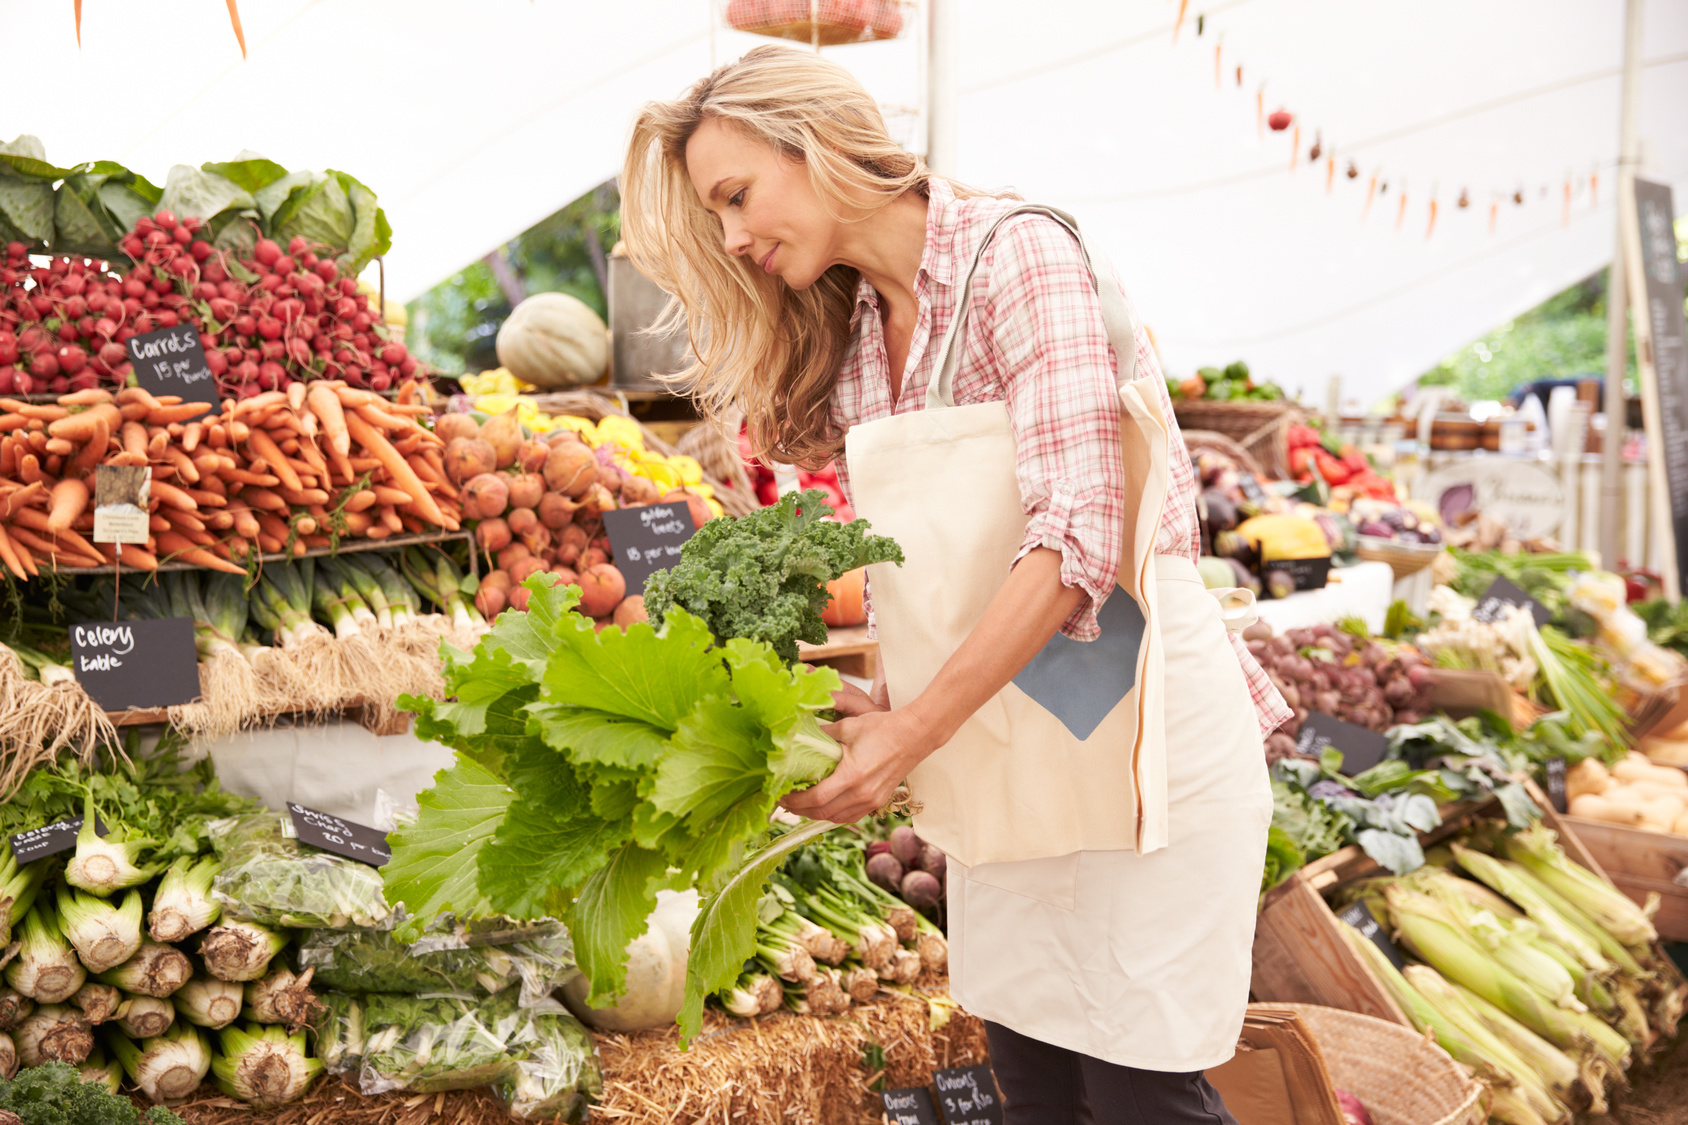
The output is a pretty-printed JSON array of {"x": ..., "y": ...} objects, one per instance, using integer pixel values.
[
  {"x": 908, "y": 867},
  {"x": 538, "y": 504},
  {"x": 1365, "y": 681},
  {"x": 265, "y": 322}
]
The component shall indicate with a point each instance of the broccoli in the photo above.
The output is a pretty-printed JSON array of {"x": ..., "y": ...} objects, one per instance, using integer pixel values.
[
  {"x": 764, "y": 576},
  {"x": 55, "y": 1094}
]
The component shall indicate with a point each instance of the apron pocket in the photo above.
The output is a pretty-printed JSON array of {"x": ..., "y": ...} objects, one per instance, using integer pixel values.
[{"x": 1053, "y": 880}]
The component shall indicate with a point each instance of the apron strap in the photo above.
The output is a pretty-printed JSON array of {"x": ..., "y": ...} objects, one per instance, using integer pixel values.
[{"x": 1116, "y": 313}]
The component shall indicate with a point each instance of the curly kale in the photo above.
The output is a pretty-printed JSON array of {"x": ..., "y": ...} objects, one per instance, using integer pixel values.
[
  {"x": 763, "y": 577},
  {"x": 55, "y": 1094}
]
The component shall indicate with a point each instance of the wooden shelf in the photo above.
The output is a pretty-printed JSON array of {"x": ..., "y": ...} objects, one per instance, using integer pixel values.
[
  {"x": 347, "y": 546},
  {"x": 848, "y": 649},
  {"x": 367, "y": 715}
]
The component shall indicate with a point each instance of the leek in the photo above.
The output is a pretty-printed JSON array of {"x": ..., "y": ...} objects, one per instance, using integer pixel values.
[
  {"x": 239, "y": 951},
  {"x": 155, "y": 970},
  {"x": 1537, "y": 850},
  {"x": 264, "y": 1066},
  {"x": 97, "y": 1068},
  {"x": 146, "y": 1016},
  {"x": 167, "y": 1068},
  {"x": 104, "y": 935},
  {"x": 400, "y": 598},
  {"x": 209, "y": 1002},
  {"x": 280, "y": 997},
  {"x": 46, "y": 969},
  {"x": 183, "y": 905},
  {"x": 97, "y": 1002},
  {"x": 54, "y": 1033},
  {"x": 287, "y": 599},
  {"x": 352, "y": 578},
  {"x": 106, "y": 865},
  {"x": 1452, "y": 1006}
]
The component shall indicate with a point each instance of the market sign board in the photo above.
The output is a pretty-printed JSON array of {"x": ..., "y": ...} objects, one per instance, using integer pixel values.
[
  {"x": 342, "y": 837},
  {"x": 911, "y": 1106},
  {"x": 1526, "y": 496},
  {"x": 1661, "y": 347},
  {"x": 967, "y": 1095},
  {"x": 171, "y": 361},
  {"x": 145, "y": 664},
  {"x": 647, "y": 539}
]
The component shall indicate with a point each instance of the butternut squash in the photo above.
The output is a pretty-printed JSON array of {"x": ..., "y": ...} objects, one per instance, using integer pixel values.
[{"x": 1595, "y": 807}]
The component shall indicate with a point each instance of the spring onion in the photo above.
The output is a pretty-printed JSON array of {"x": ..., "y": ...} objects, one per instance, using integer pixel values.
[
  {"x": 46, "y": 969},
  {"x": 104, "y": 935},
  {"x": 183, "y": 904},
  {"x": 169, "y": 1067},
  {"x": 347, "y": 574},
  {"x": 264, "y": 1066},
  {"x": 156, "y": 970},
  {"x": 54, "y": 1033},
  {"x": 209, "y": 1002},
  {"x": 239, "y": 951},
  {"x": 97, "y": 1002},
  {"x": 400, "y": 598}
]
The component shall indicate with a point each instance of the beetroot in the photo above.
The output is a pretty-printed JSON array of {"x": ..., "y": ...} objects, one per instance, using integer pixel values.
[
  {"x": 905, "y": 845},
  {"x": 921, "y": 890},
  {"x": 885, "y": 871},
  {"x": 932, "y": 861}
]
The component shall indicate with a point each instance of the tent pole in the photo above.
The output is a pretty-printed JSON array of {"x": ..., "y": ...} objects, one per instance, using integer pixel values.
[
  {"x": 941, "y": 99},
  {"x": 1612, "y": 504}
]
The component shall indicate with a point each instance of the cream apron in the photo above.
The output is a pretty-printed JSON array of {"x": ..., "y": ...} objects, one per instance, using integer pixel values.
[{"x": 1105, "y": 814}]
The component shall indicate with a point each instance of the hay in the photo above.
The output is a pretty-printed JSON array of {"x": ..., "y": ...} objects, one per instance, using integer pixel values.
[{"x": 783, "y": 1069}]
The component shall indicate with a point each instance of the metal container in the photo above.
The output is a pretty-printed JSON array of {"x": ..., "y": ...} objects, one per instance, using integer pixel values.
[{"x": 635, "y": 304}]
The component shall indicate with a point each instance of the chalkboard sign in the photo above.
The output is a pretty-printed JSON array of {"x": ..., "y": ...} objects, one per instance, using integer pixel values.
[
  {"x": 647, "y": 539},
  {"x": 1554, "y": 771},
  {"x": 912, "y": 1106},
  {"x": 967, "y": 1095},
  {"x": 1361, "y": 748},
  {"x": 1360, "y": 917},
  {"x": 1664, "y": 321},
  {"x": 171, "y": 361},
  {"x": 50, "y": 839},
  {"x": 1305, "y": 574},
  {"x": 1503, "y": 592},
  {"x": 342, "y": 837},
  {"x": 1251, "y": 487},
  {"x": 125, "y": 664}
]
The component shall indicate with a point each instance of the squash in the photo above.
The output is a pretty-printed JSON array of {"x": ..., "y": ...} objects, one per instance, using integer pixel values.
[
  {"x": 847, "y": 605},
  {"x": 656, "y": 971},
  {"x": 553, "y": 340}
]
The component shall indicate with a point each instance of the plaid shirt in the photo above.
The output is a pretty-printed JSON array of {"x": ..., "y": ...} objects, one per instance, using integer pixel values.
[{"x": 1035, "y": 340}]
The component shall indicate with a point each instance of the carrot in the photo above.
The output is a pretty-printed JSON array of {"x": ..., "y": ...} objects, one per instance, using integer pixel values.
[
  {"x": 357, "y": 523},
  {"x": 185, "y": 468},
  {"x": 29, "y": 469},
  {"x": 264, "y": 498},
  {"x": 390, "y": 497},
  {"x": 137, "y": 557},
  {"x": 177, "y": 546},
  {"x": 69, "y": 498},
  {"x": 218, "y": 519},
  {"x": 296, "y": 396},
  {"x": 60, "y": 447},
  {"x": 26, "y": 558},
  {"x": 93, "y": 450},
  {"x": 325, "y": 404},
  {"x": 93, "y": 396},
  {"x": 259, "y": 402},
  {"x": 137, "y": 394},
  {"x": 80, "y": 426},
  {"x": 305, "y": 525},
  {"x": 378, "y": 531},
  {"x": 134, "y": 438},
  {"x": 263, "y": 447},
  {"x": 9, "y": 556},
  {"x": 273, "y": 526},
  {"x": 10, "y": 422},
  {"x": 53, "y": 466},
  {"x": 37, "y": 440},
  {"x": 18, "y": 497},
  {"x": 157, "y": 442},
  {"x": 205, "y": 498},
  {"x": 403, "y": 475},
  {"x": 238, "y": 432},
  {"x": 44, "y": 411},
  {"x": 37, "y": 520},
  {"x": 187, "y": 411},
  {"x": 411, "y": 443},
  {"x": 216, "y": 436},
  {"x": 157, "y": 522},
  {"x": 66, "y": 555},
  {"x": 359, "y": 500},
  {"x": 171, "y": 496},
  {"x": 246, "y": 476},
  {"x": 303, "y": 496},
  {"x": 312, "y": 456}
]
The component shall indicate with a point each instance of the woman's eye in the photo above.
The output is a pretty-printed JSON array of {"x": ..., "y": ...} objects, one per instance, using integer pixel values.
[{"x": 737, "y": 200}]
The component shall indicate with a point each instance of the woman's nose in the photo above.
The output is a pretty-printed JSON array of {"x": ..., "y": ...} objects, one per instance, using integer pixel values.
[{"x": 735, "y": 239}]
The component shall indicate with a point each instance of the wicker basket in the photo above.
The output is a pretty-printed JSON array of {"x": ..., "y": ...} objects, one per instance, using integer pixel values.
[
  {"x": 1401, "y": 1077},
  {"x": 735, "y": 495},
  {"x": 1212, "y": 441},
  {"x": 821, "y": 23},
  {"x": 1262, "y": 428},
  {"x": 1405, "y": 559}
]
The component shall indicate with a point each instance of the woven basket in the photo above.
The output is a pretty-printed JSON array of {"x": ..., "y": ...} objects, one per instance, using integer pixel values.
[
  {"x": 1401, "y": 1077},
  {"x": 735, "y": 496},
  {"x": 1212, "y": 441},
  {"x": 822, "y": 23},
  {"x": 1260, "y": 427},
  {"x": 1405, "y": 559}
]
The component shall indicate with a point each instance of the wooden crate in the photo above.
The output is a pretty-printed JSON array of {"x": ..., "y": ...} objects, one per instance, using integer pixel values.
[
  {"x": 847, "y": 648},
  {"x": 1301, "y": 957},
  {"x": 1642, "y": 863}
]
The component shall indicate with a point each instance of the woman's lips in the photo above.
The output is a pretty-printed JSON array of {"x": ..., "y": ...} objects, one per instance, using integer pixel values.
[{"x": 768, "y": 259}]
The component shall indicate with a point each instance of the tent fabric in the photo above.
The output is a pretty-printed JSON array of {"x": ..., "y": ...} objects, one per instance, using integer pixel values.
[{"x": 473, "y": 121}]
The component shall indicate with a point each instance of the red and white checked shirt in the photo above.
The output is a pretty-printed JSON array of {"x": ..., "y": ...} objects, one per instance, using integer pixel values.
[{"x": 1034, "y": 339}]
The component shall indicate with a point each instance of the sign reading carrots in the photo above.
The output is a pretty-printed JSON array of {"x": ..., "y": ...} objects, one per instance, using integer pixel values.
[{"x": 171, "y": 361}]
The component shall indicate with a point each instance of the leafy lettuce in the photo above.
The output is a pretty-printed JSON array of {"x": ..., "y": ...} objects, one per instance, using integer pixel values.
[{"x": 595, "y": 768}]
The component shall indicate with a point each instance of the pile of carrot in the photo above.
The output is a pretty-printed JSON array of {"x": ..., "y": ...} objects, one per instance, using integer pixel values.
[{"x": 279, "y": 472}]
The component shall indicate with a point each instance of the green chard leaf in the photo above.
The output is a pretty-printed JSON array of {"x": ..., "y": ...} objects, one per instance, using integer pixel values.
[
  {"x": 436, "y": 860},
  {"x": 611, "y": 911}
]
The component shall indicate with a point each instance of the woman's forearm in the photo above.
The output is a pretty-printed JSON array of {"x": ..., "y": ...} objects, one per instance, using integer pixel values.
[{"x": 1022, "y": 617}]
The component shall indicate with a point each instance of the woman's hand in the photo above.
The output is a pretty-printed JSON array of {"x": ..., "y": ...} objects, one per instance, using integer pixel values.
[{"x": 881, "y": 748}]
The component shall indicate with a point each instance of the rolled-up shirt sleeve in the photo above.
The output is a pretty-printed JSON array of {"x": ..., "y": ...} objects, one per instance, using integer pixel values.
[{"x": 1063, "y": 405}]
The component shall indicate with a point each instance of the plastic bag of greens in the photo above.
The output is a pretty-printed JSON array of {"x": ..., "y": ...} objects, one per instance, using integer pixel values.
[
  {"x": 338, "y": 1031},
  {"x": 541, "y": 958},
  {"x": 269, "y": 877},
  {"x": 558, "y": 1077}
]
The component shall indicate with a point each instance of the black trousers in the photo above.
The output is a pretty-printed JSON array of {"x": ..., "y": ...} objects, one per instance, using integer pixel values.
[{"x": 1045, "y": 1085}]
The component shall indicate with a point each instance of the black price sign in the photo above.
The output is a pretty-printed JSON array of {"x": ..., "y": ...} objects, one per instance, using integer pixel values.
[
  {"x": 1251, "y": 488},
  {"x": 50, "y": 839},
  {"x": 171, "y": 361},
  {"x": 1361, "y": 749},
  {"x": 342, "y": 837},
  {"x": 912, "y": 1106},
  {"x": 968, "y": 1096},
  {"x": 647, "y": 539},
  {"x": 1658, "y": 305},
  {"x": 1360, "y": 917},
  {"x": 1304, "y": 574},
  {"x": 1555, "y": 772},
  {"x": 125, "y": 664},
  {"x": 1503, "y": 592}
]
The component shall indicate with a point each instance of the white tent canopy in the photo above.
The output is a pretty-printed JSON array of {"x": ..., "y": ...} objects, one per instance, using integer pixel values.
[{"x": 474, "y": 120}]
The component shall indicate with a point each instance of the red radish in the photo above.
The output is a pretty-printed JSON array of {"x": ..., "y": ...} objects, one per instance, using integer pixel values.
[
  {"x": 266, "y": 252},
  {"x": 72, "y": 359},
  {"x": 297, "y": 245}
]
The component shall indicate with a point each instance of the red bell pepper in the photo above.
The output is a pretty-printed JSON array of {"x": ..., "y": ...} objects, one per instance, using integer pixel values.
[{"x": 1332, "y": 469}]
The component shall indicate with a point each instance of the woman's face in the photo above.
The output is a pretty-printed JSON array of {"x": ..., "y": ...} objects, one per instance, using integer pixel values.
[{"x": 768, "y": 209}]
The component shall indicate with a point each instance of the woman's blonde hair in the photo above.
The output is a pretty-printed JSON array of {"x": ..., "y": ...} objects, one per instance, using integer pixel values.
[{"x": 761, "y": 346}]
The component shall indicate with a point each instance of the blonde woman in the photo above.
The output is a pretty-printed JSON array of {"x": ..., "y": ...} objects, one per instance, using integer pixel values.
[{"x": 1058, "y": 688}]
